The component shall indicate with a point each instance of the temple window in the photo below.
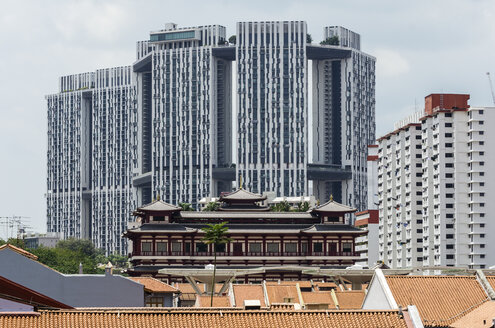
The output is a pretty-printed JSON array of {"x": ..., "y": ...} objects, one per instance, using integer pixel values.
[
  {"x": 318, "y": 247},
  {"x": 176, "y": 247},
  {"x": 291, "y": 247},
  {"x": 146, "y": 246},
  {"x": 272, "y": 247},
  {"x": 255, "y": 247},
  {"x": 201, "y": 248},
  {"x": 161, "y": 246}
]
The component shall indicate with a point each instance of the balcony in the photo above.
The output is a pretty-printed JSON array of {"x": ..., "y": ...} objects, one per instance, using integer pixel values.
[{"x": 246, "y": 254}]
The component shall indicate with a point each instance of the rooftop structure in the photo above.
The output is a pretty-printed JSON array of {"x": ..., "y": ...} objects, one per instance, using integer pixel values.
[
  {"x": 440, "y": 300},
  {"x": 169, "y": 242},
  {"x": 211, "y": 318}
]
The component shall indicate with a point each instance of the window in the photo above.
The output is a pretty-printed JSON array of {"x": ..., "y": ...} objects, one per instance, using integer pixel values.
[
  {"x": 146, "y": 246},
  {"x": 220, "y": 248},
  {"x": 158, "y": 218},
  {"x": 449, "y": 236},
  {"x": 291, "y": 247},
  {"x": 450, "y": 256},
  {"x": 201, "y": 248},
  {"x": 448, "y": 125},
  {"x": 161, "y": 246},
  {"x": 272, "y": 247},
  {"x": 347, "y": 247},
  {"x": 318, "y": 247},
  {"x": 176, "y": 247},
  {"x": 449, "y": 226},
  {"x": 255, "y": 247},
  {"x": 154, "y": 301},
  {"x": 304, "y": 247},
  {"x": 450, "y": 246}
]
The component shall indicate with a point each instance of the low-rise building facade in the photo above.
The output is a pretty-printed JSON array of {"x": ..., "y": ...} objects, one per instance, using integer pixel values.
[{"x": 164, "y": 236}]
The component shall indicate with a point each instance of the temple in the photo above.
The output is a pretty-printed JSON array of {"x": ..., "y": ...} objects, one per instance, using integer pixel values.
[{"x": 279, "y": 245}]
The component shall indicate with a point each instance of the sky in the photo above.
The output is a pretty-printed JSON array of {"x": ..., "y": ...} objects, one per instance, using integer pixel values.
[{"x": 421, "y": 47}]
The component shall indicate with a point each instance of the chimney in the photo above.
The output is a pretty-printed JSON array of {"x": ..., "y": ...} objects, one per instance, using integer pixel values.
[
  {"x": 108, "y": 269},
  {"x": 80, "y": 268}
]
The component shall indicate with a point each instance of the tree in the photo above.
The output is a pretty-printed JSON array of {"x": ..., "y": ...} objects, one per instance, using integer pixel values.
[
  {"x": 215, "y": 234},
  {"x": 331, "y": 41},
  {"x": 211, "y": 206},
  {"x": 309, "y": 39},
  {"x": 232, "y": 39},
  {"x": 283, "y": 206},
  {"x": 186, "y": 207},
  {"x": 303, "y": 207}
]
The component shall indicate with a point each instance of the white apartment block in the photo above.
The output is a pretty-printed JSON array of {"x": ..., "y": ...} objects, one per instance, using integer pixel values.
[
  {"x": 367, "y": 245},
  {"x": 120, "y": 137},
  {"x": 434, "y": 187},
  {"x": 90, "y": 157}
]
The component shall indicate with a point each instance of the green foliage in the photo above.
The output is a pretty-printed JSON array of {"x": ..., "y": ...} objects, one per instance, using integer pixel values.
[
  {"x": 211, "y": 206},
  {"x": 186, "y": 207},
  {"x": 14, "y": 241},
  {"x": 283, "y": 206},
  {"x": 82, "y": 246},
  {"x": 216, "y": 234},
  {"x": 118, "y": 261},
  {"x": 309, "y": 39},
  {"x": 66, "y": 256},
  {"x": 233, "y": 39},
  {"x": 332, "y": 41},
  {"x": 66, "y": 260},
  {"x": 303, "y": 207}
]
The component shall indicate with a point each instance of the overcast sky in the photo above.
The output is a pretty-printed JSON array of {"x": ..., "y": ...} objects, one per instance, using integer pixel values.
[{"x": 421, "y": 47}]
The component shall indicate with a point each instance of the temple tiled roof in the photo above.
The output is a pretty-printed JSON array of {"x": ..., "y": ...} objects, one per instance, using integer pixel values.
[
  {"x": 167, "y": 318},
  {"x": 440, "y": 300},
  {"x": 247, "y": 227},
  {"x": 242, "y": 195},
  {"x": 159, "y": 206},
  {"x": 333, "y": 206}
]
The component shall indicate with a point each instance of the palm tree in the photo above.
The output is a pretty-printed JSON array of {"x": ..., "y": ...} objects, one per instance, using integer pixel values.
[
  {"x": 211, "y": 206},
  {"x": 215, "y": 234},
  {"x": 186, "y": 207}
]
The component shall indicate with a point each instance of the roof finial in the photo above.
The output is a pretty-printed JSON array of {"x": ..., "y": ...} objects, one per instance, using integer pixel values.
[
  {"x": 158, "y": 197},
  {"x": 331, "y": 197},
  {"x": 240, "y": 182}
]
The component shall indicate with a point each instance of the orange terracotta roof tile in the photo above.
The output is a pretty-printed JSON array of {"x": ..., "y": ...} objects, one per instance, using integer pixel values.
[
  {"x": 248, "y": 292},
  {"x": 440, "y": 300},
  {"x": 19, "y": 250},
  {"x": 350, "y": 299},
  {"x": 187, "y": 288},
  {"x": 318, "y": 298},
  {"x": 282, "y": 294},
  {"x": 302, "y": 283},
  {"x": 491, "y": 280},
  {"x": 206, "y": 319},
  {"x": 218, "y": 301},
  {"x": 325, "y": 285},
  {"x": 153, "y": 285},
  {"x": 481, "y": 317}
]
